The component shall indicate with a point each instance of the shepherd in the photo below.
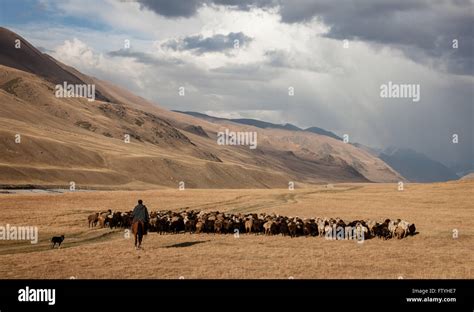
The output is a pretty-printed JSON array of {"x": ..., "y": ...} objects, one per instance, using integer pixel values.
[{"x": 139, "y": 224}]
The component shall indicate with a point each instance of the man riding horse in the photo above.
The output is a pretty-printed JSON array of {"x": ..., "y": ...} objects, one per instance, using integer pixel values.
[{"x": 139, "y": 224}]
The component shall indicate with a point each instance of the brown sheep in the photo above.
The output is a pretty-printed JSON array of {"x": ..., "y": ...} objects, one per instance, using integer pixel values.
[
  {"x": 199, "y": 227},
  {"x": 371, "y": 227},
  {"x": 292, "y": 229},
  {"x": 218, "y": 225},
  {"x": 408, "y": 228},
  {"x": 93, "y": 219},
  {"x": 101, "y": 219},
  {"x": 399, "y": 232},
  {"x": 248, "y": 226},
  {"x": 270, "y": 227}
]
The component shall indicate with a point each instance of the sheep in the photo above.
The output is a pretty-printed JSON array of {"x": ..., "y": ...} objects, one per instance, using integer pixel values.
[
  {"x": 93, "y": 219},
  {"x": 392, "y": 225},
  {"x": 321, "y": 224},
  {"x": 269, "y": 227},
  {"x": 406, "y": 229},
  {"x": 249, "y": 226},
  {"x": 292, "y": 229},
  {"x": 399, "y": 232},
  {"x": 218, "y": 225},
  {"x": 263, "y": 223},
  {"x": 371, "y": 225},
  {"x": 284, "y": 228},
  {"x": 361, "y": 231},
  {"x": 199, "y": 227},
  {"x": 382, "y": 230}
]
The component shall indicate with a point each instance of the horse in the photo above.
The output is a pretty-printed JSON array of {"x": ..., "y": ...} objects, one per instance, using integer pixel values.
[{"x": 138, "y": 230}]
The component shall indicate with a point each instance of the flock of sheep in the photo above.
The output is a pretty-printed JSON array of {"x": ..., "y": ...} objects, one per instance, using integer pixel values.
[{"x": 268, "y": 224}]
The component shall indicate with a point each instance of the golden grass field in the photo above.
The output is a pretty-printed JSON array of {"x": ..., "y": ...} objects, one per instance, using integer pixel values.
[{"x": 436, "y": 209}]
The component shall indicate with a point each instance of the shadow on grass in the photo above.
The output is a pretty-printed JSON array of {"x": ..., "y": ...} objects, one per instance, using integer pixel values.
[{"x": 186, "y": 244}]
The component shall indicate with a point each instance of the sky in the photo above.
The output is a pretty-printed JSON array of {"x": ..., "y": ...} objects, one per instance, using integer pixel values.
[{"x": 240, "y": 59}]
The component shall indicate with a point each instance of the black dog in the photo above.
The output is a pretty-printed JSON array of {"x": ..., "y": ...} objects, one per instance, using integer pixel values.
[{"x": 57, "y": 240}]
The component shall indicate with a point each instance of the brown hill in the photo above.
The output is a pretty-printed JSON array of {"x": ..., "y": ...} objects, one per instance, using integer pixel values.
[
  {"x": 72, "y": 139},
  {"x": 28, "y": 58},
  {"x": 469, "y": 176}
]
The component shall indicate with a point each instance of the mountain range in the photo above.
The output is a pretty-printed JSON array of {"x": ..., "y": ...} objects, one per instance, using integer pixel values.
[
  {"x": 121, "y": 140},
  {"x": 416, "y": 166},
  {"x": 264, "y": 124}
]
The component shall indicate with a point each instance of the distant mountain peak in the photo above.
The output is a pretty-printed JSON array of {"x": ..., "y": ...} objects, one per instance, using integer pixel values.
[
  {"x": 264, "y": 124},
  {"x": 416, "y": 166}
]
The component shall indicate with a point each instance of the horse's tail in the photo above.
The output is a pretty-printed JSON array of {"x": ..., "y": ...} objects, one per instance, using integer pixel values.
[{"x": 140, "y": 229}]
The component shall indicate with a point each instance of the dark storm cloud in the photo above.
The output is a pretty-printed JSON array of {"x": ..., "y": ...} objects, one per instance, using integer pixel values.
[
  {"x": 246, "y": 4},
  {"x": 187, "y": 8},
  {"x": 422, "y": 29},
  {"x": 412, "y": 25},
  {"x": 199, "y": 45},
  {"x": 142, "y": 57},
  {"x": 173, "y": 8}
]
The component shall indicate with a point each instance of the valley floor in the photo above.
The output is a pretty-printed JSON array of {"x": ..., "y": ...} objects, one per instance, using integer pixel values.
[{"x": 438, "y": 210}]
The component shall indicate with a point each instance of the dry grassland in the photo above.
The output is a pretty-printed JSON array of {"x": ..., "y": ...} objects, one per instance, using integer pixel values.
[{"x": 436, "y": 209}]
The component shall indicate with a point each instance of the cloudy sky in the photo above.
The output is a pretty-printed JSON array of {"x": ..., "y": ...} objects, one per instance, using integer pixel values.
[{"x": 239, "y": 59}]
